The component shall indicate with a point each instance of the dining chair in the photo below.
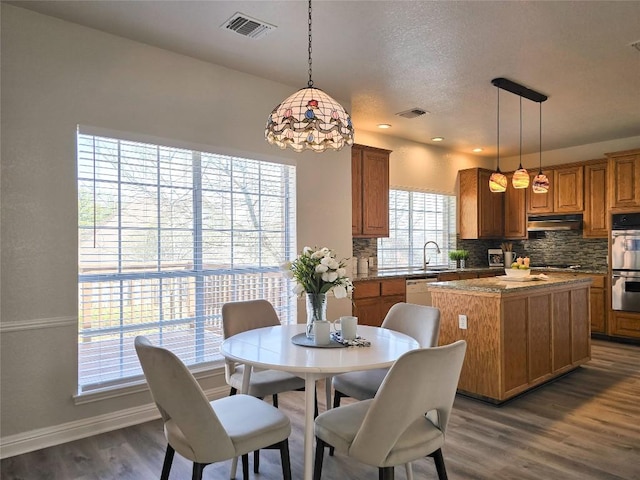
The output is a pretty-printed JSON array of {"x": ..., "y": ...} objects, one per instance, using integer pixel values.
[
  {"x": 405, "y": 421},
  {"x": 420, "y": 322},
  {"x": 238, "y": 317},
  {"x": 208, "y": 432}
]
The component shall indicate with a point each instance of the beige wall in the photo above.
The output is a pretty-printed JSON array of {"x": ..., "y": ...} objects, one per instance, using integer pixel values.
[{"x": 56, "y": 75}]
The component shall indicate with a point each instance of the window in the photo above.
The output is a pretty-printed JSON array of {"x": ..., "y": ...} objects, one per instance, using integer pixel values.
[
  {"x": 166, "y": 237},
  {"x": 414, "y": 219}
]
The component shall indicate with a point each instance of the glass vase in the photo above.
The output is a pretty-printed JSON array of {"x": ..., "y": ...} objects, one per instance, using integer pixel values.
[{"x": 316, "y": 311}]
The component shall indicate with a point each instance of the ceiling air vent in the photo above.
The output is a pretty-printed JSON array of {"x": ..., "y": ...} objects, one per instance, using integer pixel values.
[
  {"x": 247, "y": 26},
  {"x": 413, "y": 113}
]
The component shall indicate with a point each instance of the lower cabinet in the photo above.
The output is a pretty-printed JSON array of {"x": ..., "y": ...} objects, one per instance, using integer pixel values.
[
  {"x": 624, "y": 324},
  {"x": 598, "y": 300},
  {"x": 372, "y": 299}
]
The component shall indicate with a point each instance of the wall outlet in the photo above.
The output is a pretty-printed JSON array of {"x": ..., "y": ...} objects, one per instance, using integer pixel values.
[{"x": 462, "y": 321}]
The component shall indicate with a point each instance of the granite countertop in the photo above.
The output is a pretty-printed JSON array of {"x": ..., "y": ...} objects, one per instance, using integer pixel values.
[
  {"x": 500, "y": 285},
  {"x": 417, "y": 273}
]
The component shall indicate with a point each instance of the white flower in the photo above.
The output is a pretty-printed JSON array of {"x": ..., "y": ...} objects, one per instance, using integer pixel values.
[
  {"x": 318, "y": 254},
  {"x": 298, "y": 289},
  {"x": 342, "y": 272},
  {"x": 321, "y": 268},
  {"x": 339, "y": 291},
  {"x": 307, "y": 250},
  {"x": 329, "y": 277}
]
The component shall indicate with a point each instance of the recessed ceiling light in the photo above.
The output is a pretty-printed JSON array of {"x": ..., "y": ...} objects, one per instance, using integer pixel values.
[
  {"x": 477, "y": 150},
  {"x": 437, "y": 139},
  {"x": 384, "y": 125}
]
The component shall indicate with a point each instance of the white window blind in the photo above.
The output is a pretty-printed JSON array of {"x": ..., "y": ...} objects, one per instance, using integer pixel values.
[
  {"x": 414, "y": 219},
  {"x": 166, "y": 237}
]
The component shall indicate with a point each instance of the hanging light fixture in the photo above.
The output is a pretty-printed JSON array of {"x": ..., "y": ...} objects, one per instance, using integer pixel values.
[
  {"x": 540, "y": 182},
  {"x": 309, "y": 119},
  {"x": 520, "y": 176},
  {"x": 497, "y": 181}
]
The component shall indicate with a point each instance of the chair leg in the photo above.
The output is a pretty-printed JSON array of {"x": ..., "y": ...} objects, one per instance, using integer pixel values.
[
  {"x": 385, "y": 473},
  {"x": 256, "y": 461},
  {"x": 317, "y": 469},
  {"x": 315, "y": 402},
  {"x": 275, "y": 400},
  {"x": 439, "y": 461},
  {"x": 245, "y": 466},
  {"x": 233, "y": 391},
  {"x": 336, "y": 398},
  {"x": 168, "y": 460},
  {"x": 197, "y": 470},
  {"x": 285, "y": 460}
]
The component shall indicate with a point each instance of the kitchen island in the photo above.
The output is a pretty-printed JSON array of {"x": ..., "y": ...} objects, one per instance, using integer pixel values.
[{"x": 519, "y": 334}]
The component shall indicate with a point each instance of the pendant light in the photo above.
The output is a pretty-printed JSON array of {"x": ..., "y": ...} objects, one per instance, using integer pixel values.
[
  {"x": 497, "y": 181},
  {"x": 309, "y": 119},
  {"x": 520, "y": 176},
  {"x": 540, "y": 182}
]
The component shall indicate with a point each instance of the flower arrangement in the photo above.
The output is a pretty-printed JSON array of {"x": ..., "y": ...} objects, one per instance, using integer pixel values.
[{"x": 317, "y": 271}]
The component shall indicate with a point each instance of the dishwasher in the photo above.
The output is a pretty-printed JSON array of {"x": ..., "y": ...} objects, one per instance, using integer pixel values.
[{"x": 417, "y": 291}]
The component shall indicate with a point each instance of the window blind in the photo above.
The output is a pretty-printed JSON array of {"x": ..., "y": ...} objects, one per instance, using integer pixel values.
[
  {"x": 415, "y": 218},
  {"x": 166, "y": 237}
]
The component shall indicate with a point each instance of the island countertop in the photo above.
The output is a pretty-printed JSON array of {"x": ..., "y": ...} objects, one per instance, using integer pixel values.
[{"x": 499, "y": 285}]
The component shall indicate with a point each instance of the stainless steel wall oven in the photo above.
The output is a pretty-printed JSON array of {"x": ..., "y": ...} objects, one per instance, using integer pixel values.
[{"x": 625, "y": 262}]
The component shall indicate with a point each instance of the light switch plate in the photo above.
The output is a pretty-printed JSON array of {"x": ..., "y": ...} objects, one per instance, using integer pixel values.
[{"x": 462, "y": 322}]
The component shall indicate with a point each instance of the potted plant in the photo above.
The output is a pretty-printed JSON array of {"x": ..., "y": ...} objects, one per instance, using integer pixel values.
[{"x": 460, "y": 257}]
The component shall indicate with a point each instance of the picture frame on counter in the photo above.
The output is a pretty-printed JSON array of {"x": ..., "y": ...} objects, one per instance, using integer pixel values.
[{"x": 496, "y": 257}]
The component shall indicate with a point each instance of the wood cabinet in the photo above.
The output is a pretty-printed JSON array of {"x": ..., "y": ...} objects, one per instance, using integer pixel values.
[
  {"x": 481, "y": 211},
  {"x": 568, "y": 196},
  {"x": 624, "y": 179},
  {"x": 515, "y": 217},
  {"x": 595, "y": 218},
  {"x": 369, "y": 191},
  {"x": 372, "y": 299},
  {"x": 538, "y": 203},
  {"x": 624, "y": 324},
  {"x": 598, "y": 302}
]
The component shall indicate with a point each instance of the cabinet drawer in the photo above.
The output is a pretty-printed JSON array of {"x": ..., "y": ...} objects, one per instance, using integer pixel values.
[
  {"x": 625, "y": 324},
  {"x": 597, "y": 282},
  {"x": 393, "y": 287},
  {"x": 366, "y": 289}
]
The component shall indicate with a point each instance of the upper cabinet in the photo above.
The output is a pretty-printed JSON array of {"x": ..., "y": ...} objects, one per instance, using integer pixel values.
[
  {"x": 568, "y": 189},
  {"x": 370, "y": 191},
  {"x": 481, "y": 211},
  {"x": 595, "y": 200},
  {"x": 515, "y": 218},
  {"x": 624, "y": 179},
  {"x": 541, "y": 202},
  {"x": 566, "y": 192}
]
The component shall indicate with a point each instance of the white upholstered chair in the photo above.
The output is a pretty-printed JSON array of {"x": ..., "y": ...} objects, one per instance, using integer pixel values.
[
  {"x": 418, "y": 321},
  {"x": 405, "y": 421},
  {"x": 208, "y": 432}
]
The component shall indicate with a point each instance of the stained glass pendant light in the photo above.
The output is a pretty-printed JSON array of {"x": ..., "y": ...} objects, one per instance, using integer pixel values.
[
  {"x": 498, "y": 181},
  {"x": 540, "y": 182},
  {"x": 309, "y": 119},
  {"x": 520, "y": 176}
]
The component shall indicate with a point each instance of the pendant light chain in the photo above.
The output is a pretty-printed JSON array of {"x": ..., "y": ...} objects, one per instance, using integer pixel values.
[
  {"x": 540, "y": 163},
  {"x": 498, "y": 129},
  {"x": 520, "y": 167},
  {"x": 310, "y": 82}
]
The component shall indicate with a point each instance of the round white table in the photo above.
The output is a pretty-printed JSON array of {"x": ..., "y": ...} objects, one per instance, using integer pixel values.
[{"x": 271, "y": 348}]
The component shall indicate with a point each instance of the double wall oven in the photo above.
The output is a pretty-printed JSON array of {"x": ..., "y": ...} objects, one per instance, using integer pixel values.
[{"x": 625, "y": 262}]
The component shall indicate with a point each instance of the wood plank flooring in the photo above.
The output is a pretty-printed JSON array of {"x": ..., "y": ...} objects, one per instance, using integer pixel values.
[{"x": 584, "y": 426}]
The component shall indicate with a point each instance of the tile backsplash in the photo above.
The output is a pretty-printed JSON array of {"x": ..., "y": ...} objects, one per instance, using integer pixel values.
[{"x": 543, "y": 248}]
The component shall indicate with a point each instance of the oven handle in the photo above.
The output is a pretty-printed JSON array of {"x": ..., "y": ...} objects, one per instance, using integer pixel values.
[{"x": 626, "y": 274}]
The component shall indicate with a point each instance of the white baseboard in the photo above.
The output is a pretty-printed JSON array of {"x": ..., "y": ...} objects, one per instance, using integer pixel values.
[{"x": 47, "y": 437}]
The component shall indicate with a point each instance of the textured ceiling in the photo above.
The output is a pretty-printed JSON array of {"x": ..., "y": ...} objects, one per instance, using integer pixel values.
[{"x": 389, "y": 56}]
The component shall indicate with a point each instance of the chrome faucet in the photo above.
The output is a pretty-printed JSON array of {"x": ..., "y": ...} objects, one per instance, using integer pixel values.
[{"x": 425, "y": 262}]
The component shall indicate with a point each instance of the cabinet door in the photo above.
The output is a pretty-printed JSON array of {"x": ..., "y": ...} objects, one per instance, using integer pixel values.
[
  {"x": 598, "y": 312},
  {"x": 490, "y": 209},
  {"x": 541, "y": 202},
  {"x": 595, "y": 200},
  {"x": 515, "y": 220},
  {"x": 368, "y": 311},
  {"x": 356, "y": 190},
  {"x": 387, "y": 302},
  {"x": 375, "y": 189},
  {"x": 569, "y": 189},
  {"x": 624, "y": 183}
]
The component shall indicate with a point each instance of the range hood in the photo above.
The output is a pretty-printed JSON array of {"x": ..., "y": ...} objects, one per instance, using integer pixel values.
[{"x": 545, "y": 223}]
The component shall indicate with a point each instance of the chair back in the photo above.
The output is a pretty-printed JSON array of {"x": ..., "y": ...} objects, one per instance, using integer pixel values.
[
  {"x": 420, "y": 387},
  {"x": 181, "y": 401},
  {"x": 418, "y": 321},
  {"x": 238, "y": 317}
]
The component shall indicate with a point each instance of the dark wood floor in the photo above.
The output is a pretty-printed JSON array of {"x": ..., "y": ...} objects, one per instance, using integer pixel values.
[{"x": 584, "y": 426}]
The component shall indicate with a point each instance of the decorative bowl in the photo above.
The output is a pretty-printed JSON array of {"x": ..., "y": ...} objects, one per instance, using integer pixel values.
[{"x": 517, "y": 272}]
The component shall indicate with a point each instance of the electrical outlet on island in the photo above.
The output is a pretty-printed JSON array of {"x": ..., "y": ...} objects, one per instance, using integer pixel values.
[{"x": 462, "y": 322}]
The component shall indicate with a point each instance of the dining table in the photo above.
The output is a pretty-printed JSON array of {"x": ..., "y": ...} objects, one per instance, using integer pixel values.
[{"x": 273, "y": 348}]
